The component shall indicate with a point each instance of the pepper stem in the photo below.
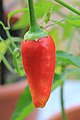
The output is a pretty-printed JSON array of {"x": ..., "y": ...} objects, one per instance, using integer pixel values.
[
  {"x": 35, "y": 32},
  {"x": 33, "y": 24}
]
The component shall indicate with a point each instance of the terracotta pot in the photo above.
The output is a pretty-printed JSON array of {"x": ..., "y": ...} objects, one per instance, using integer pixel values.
[
  {"x": 72, "y": 114},
  {"x": 9, "y": 96}
]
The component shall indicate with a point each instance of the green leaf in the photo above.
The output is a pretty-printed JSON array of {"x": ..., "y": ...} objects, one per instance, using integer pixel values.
[
  {"x": 44, "y": 5},
  {"x": 75, "y": 21},
  {"x": 15, "y": 12},
  {"x": 68, "y": 58},
  {"x": 47, "y": 17},
  {"x": 56, "y": 84},
  {"x": 41, "y": 7},
  {"x": 55, "y": 35},
  {"x": 22, "y": 22},
  {"x": 3, "y": 48},
  {"x": 24, "y": 106},
  {"x": 67, "y": 31},
  {"x": 58, "y": 80},
  {"x": 74, "y": 74}
]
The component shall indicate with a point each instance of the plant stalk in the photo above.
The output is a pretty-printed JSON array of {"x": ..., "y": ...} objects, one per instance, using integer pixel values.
[
  {"x": 68, "y": 6},
  {"x": 62, "y": 103},
  {"x": 33, "y": 23},
  {"x": 35, "y": 32}
]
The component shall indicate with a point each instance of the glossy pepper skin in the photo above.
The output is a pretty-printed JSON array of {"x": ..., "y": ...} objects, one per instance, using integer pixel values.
[{"x": 39, "y": 59}]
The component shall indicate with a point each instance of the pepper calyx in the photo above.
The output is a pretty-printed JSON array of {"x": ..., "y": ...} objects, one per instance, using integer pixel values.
[{"x": 35, "y": 35}]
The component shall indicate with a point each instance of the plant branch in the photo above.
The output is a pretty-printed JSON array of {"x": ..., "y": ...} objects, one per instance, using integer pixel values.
[
  {"x": 1, "y": 39},
  {"x": 68, "y": 6},
  {"x": 10, "y": 68},
  {"x": 62, "y": 103},
  {"x": 33, "y": 23},
  {"x": 8, "y": 35},
  {"x": 54, "y": 23}
]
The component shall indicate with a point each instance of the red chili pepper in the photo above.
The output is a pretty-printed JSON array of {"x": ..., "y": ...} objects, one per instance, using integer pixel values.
[
  {"x": 38, "y": 56},
  {"x": 39, "y": 63}
]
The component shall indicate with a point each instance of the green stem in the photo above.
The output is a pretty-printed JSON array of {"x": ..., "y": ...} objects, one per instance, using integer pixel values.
[
  {"x": 35, "y": 32},
  {"x": 68, "y": 6},
  {"x": 6, "y": 45},
  {"x": 54, "y": 23},
  {"x": 8, "y": 65},
  {"x": 33, "y": 24},
  {"x": 62, "y": 103},
  {"x": 8, "y": 34}
]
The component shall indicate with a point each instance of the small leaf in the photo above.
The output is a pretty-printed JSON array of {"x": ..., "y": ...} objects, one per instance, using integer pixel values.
[
  {"x": 68, "y": 58},
  {"x": 47, "y": 15},
  {"x": 24, "y": 106},
  {"x": 75, "y": 21}
]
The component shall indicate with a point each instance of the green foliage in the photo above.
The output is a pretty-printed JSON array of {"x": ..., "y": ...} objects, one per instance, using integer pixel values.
[
  {"x": 16, "y": 12},
  {"x": 55, "y": 35},
  {"x": 40, "y": 9},
  {"x": 57, "y": 84},
  {"x": 68, "y": 58},
  {"x": 23, "y": 21},
  {"x": 18, "y": 62},
  {"x": 47, "y": 15},
  {"x": 75, "y": 21},
  {"x": 3, "y": 48},
  {"x": 67, "y": 31},
  {"x": 24, "y": 106}
]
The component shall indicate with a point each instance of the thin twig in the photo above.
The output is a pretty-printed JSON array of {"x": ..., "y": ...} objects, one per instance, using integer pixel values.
[
  {"x": 62, "y": 103},
  {"x": 54, "y": 23}
]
